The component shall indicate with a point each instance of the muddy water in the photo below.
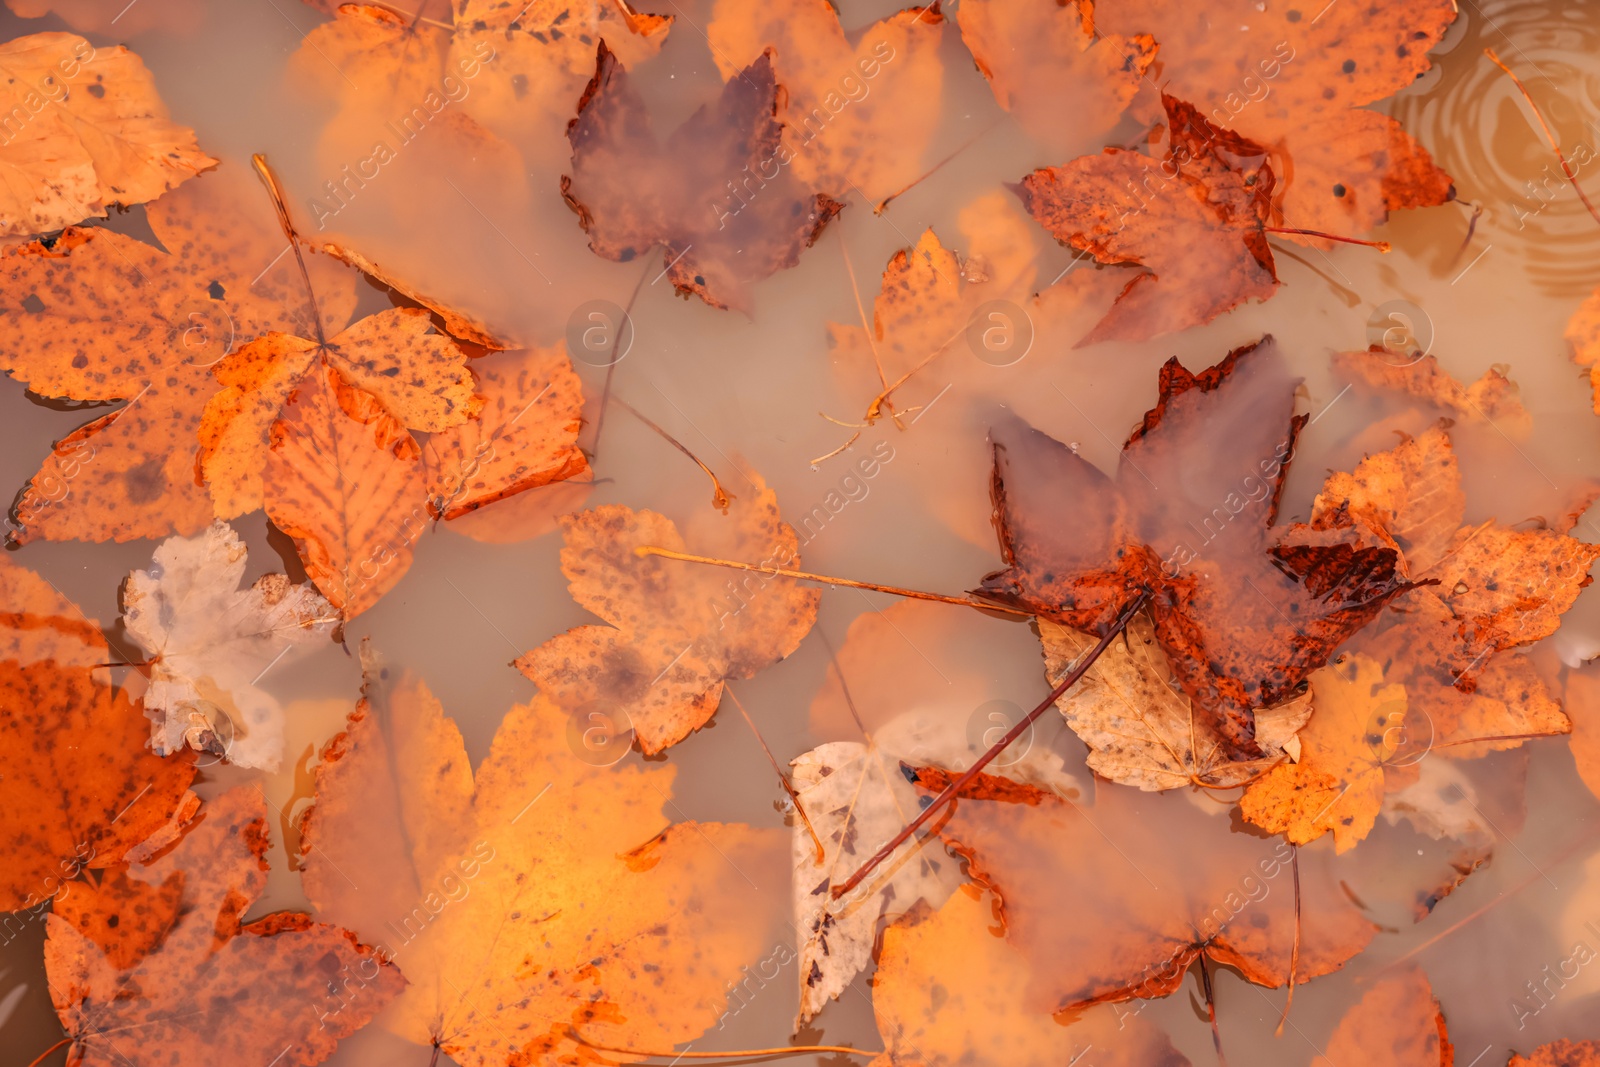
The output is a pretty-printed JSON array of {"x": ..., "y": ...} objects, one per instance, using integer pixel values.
[{"x": 753, "y": 388}]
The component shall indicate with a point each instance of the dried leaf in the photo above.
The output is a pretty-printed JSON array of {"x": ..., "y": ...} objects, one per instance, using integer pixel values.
[
  {"x": 562, "y": 907},
  {"x": 78, "y": 788},
  {"x": 100, "y": 316},
  {"x": 344, "y": 479},
  {"x": 632, "y": 192},
  {"x": 1116, "y": 900},
  {"x": 1493, "y": 398},
  {"x": 1397, "y": 1023},
  {"x": 677, "y": 631},
  {"x": 1201, "y": 241},
  {"x": 857, "y": 797},
  {"x": 93, "y": 132},
  {"x": 209, "y": 989},
  {"x": 1298, "y": 79},
  {"x": 1141, "y": 728},
  {"x": 1560, "y": 1054},
  {"x": 525, "y": 436},
  {"x": 1037, "y": 55},
  {"x": 209, "y": 641},
  {"x": 859, "y": 116},
  {"x": 949, "y": 992}
]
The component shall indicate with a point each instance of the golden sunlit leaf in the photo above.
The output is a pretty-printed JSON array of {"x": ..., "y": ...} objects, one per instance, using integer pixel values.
[
  {"x": 1397, "y": 1023},
  {"x": 1560, "y": 1054},
  {"x": 543, "y": 897},
  {"x": 1493, "y": 398},
  {"x": 92, "y": 132},
  {"x": 949, "y": 991}
]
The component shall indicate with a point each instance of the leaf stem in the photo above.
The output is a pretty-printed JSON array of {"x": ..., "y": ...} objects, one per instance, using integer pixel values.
[
  {"x": 46, "y": 1053},
  {"x": 1294, "y": 953},
  {"x": 720, "y": 498},
  {"x": 736, "y": 1054},
  {"x": 1382, "y": 246},
  {"x": 807, "y": 576},
  {"x": 783, "y": 779},
  {"x": 1572, "y": 175},
  {"x": 275, "y": 191},
  {"x": 950, "y": 791}
]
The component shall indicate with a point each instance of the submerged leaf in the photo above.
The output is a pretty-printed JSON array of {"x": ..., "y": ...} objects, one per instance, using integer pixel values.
[{"x": 209, "y": 641}]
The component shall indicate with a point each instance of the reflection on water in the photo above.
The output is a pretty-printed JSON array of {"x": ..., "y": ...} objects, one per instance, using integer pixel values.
[{"x": 1482, "y": 130}]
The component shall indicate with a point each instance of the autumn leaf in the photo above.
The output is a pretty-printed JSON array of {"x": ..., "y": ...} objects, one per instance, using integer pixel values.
[
  {"x": 1397, "y": 1023},
  {"x": 1298, "y": 79},
  {"x": 1107, "y": 902},
  {"x": 1199, "y": 234},
  {"x": 536, "y": 58},
  {"x": 676, "y": 631},
  {"x": 1492, "y": 587},
  {"x": 929, "y": 295},
  {"x": 1583, "y": 704},
  {"x": 1337, "y": 785},
  {"x": 857, "y": 796},
  {"x": 1583, "y": 335},
  {"x": 1141, "y": 728},
  {"x": 716, "y": 195},
  {"x": 542, "y": 899},
  {"x": 208, "y": 987},
  {"x": 525, "y": 435},
  {"x": 209, "y": 641},
  {"x": 414, "y": 374},
  {"x": 1037, "y": 55},
  {"x": 78, "y": 788},
  {"x": 1243, "y": 612},
  {"x": 344, "y": 479},
  {"x": 37, "y": 622},
  {"x": 1560, "y": 1054},
  {"x": 933, "y": 1014},
  {"x": 86, "y": 130},
  {"x": 1493, "y": 398},
  {"x": 859, "y": 116},
  {"x": 99, "y": 316}
]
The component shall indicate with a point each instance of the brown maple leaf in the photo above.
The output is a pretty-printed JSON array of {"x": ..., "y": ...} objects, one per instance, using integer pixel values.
[
  {"x": 860, "y": 110},
  {"x": 717, "y": 195},
  {"x": 190, "y": 982},
  {"x": 85, "y": 129},
  {"x": 99, "y": 316},
  {"x": 676, "y": 631},
  {"x": 540, "y": 902},
  {"x": 1243, "y": 612},
  {"x": 1193, "y": 219},
  {"x": 1296, "y": 78},
  {"x": 1110, "y": 901}
]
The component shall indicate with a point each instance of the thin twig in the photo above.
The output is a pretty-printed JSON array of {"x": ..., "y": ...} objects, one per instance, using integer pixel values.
[
  {"x": 611, "y": 367},
  {"x": 1572, "y": 175},
  {"x": 720, "y": 497},
  {"x": 950, "y": 791},
  {"x": 1382, "y": 246},
  {"x": 783, "y": 779},
  {"x": 1211, "y": 1010},
  {"x": 748, "y": 1053},
  {"x": 806, "y": 576},
  {"x": 275, "y": 191},
  {"x": 1294, "y": 953},
  {"x": 46, "y": 1053}
]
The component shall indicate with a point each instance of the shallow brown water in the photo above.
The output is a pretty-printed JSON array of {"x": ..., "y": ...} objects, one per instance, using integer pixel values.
[{"x": 735, "y": 387}]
